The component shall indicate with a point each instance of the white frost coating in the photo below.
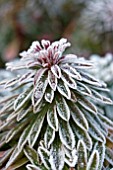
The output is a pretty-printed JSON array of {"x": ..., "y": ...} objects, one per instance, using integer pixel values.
[
  {"x": 48, "y": 140},
  {"x": 90, "y": 162},
  {"x": 64, "y": 90},
  {"x": 67, "y": 132},
  {"x": 43, "y": 159},
  {"x": 52, "y": 118},
  {"x": 73, "y": 161},
  {"x": 63, "y": 109},
  {"x": 52, "y": 80},
  {"x": 31, "y": 167},
  {"x": 57, "y": 159},
  {"x": 81, "y": 142},
  {"x": 49, "y": 96},
  {"x": 56, "y": 71}
]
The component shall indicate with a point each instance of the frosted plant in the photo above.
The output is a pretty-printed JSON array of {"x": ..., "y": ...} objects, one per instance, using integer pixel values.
[
  {"x": 98, "y": 16},
  {"x": 53, "y": 123}
]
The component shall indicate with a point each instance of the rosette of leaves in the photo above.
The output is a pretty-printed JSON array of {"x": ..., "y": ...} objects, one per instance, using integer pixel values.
[{"x": 53, "y": 123}]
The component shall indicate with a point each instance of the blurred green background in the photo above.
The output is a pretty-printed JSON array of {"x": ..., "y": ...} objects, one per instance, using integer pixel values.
[{"x": 88, "y": 25}]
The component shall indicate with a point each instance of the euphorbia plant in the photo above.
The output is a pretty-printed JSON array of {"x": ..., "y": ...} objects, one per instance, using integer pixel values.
[{"x": 51, "y": 122}]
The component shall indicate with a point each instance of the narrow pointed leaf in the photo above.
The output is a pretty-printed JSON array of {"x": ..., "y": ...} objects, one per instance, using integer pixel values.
[
  {"x": 78, "y": 117},
  {"x": 22, "y": 99},
  {"x": 62, "y": 108},
  {"x": 107, "y": 122},
  {"x": 66, "y": 134},
  {"x": 44, "y": 155},
  {"x": 93, "y": 162},
  {"x": 83, "y": 135},
  {"x": 82, "y": 155},
  {"x": 64, "y": 89},
  {"x": 52, "y": 118},
  {"x": 32, "y": 155},
  {"x": 52, "y": 80},
  {"x": 69, "y": 81},
  {"x": 49, "y": 136},
  {"x": 36, "y": 128},
  {"x": 49, "y": 95},
  {"x": 57, "y": 155},
  {"x": 101, "y": 150},
  {"x": 6, "y": 155},
  {"x": 56, "y": 71}
]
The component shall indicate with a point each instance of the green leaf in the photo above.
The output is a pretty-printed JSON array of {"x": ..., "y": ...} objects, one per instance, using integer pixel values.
[
  {"x": 32, "y": 155},
  {"x": 63, "y": 108},
  {"x": 14, "y": 156},
  {"x": 49, "y": 136},
  {"x": 24, "y": 137},
  {"x": 69, "y": 81},
  {"x": 23, "y": 113},
  {"x": 78, "y": 117},
  {"x": 22, "y": 99},
  {"x": 39, "y": 90},
  {"x": 49, "y": 95},
  {"x": 86, "y": 104},
  {"x": 66, "y": 134},
  {"x": 34, "y": 167},
  {"x": 93, "y": 162},
  {"x": 57, "y": 155},
  {"x": 107, "y": 122},
  {"x": 83, "y": 135},
  {"x": 52, "y": 118},
  {"x": 64, "y": 89},
  {"x": 101, "y": 151},
  {"x": 36, "y": 128},
  {"x": 82, "y": 155},
  {"x": 19, "y": 163},
  {"x": 44, "y": 156}
]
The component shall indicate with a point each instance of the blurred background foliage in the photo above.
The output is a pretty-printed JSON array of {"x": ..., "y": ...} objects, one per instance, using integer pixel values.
[{"x": 87, "y": 24}]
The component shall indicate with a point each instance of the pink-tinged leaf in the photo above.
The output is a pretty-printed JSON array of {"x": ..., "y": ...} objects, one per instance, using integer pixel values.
[
  {"x": 39, "y": 90},
  {"x": 63, "y": 109},
  {"x": 69, "y": 81},
  {"x": 64, "y": 89},
  {"x": 69, "y": 58},
  {"x": 66, "y": 134},
  {"x": 11, "y": 82},
  {"x": 49, "y": 95},
  {"x": 4, "y": 155},
  {"x": 70, "y": 71},
  {"x": 49, "y": 136},
  {"x": 93, "y": 162},
  {"x": 39, "y": 74},
  {"x": 79, "y": 117},
  {"x": 56, "y": 71},
  {"x": 26, "y": 77},
  {"x": 52, "y": 118},
  {"x": 45, "y": 44},
  {"x": 52, "y": 80}
]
